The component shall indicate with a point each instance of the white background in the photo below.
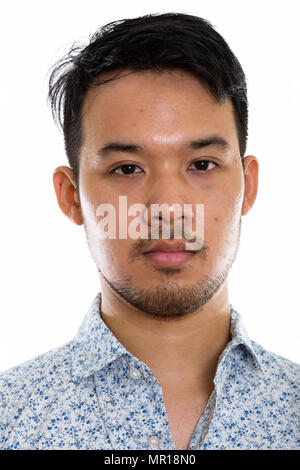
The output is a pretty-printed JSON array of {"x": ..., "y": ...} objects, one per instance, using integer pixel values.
[{"x": 48, "y": 277}]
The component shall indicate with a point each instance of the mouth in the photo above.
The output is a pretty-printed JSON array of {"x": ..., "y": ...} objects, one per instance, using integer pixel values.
[{"x": 169, "y": 258}]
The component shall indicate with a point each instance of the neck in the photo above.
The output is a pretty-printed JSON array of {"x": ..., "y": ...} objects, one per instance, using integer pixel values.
[{"x": 178, "y": 351}]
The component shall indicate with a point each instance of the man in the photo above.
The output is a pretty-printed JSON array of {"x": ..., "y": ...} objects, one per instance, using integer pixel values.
[{"x": 154, "y": 112}]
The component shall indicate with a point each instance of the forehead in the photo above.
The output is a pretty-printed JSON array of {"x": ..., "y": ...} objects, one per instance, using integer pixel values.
[{"x": 148, "y": 103}]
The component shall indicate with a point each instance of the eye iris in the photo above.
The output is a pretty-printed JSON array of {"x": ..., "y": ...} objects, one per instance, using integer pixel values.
[
  {"x": 126, "y": 167},
  {"x": 202, "y": 164}
]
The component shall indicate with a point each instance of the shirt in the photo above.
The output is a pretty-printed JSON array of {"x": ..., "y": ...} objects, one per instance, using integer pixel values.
[{"x": 92, "y": 393}]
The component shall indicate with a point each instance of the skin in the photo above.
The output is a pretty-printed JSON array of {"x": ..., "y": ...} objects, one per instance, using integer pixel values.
[{"x": 177, "y": 321}]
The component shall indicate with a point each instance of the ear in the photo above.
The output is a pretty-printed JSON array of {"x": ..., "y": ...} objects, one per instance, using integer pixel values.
[
  {"x": 66, "y": 194},
  {"x": 251, "y": 168}
]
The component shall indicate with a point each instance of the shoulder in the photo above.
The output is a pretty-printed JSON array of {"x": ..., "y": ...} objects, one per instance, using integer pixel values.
[
  {"x": 18, "y": 383},
  {"x": 32, "y": 369},
  {"x": 276, "y": 364},
  {"x": 281, "y": 375}
]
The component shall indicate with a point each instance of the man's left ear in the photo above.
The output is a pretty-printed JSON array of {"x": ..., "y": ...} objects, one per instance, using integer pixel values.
[{"x": 251, "y": 168}]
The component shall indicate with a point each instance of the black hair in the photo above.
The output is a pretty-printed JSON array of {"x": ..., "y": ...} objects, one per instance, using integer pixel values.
[{"x": 154, "y": 42}]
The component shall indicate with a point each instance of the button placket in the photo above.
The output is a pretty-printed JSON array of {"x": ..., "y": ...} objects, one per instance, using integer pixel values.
[{"x": 150, "y": 434}]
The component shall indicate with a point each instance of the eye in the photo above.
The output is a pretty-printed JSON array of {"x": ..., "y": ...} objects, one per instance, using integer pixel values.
[
  {"x": 125, "y": 169},
  {"x": 128, "y": 169},
  {"x": 202, "y": 165}
]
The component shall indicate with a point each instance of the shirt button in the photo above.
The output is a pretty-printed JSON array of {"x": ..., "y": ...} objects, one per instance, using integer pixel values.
[
  {"x": 134, "y": 373},
  {"x": 153, "y": 441}
]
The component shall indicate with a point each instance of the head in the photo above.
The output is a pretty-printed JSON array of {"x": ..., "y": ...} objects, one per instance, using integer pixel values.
[{"x": 132, "y": 104}]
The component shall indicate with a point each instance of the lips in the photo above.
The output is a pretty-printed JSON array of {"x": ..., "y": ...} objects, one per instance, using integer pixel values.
[
  {"x": 169, "y": 254},
  {"x": 169, "y": 259},
  {"x": 161, "y": 246}
]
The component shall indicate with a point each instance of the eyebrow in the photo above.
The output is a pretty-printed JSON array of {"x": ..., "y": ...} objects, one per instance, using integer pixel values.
[{"x": 115, "y": 146}]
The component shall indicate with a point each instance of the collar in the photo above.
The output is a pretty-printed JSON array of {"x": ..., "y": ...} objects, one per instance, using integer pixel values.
[
  {"x": 239, "y": 336},
  {"x": 95, "y": 346}
]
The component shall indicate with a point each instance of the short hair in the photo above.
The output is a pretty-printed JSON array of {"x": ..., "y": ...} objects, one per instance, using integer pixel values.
[{"x": 155, "y": 42}]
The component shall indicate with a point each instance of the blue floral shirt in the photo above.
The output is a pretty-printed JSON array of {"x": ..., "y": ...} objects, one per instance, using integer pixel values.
[{"x": 91, "y": 393}]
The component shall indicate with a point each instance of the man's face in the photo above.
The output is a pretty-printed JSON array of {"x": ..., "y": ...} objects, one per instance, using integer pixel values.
[{"x": 161, "y": 113}]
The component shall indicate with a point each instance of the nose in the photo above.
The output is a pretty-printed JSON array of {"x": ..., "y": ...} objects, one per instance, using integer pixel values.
[{"x": 169, "y": 209}]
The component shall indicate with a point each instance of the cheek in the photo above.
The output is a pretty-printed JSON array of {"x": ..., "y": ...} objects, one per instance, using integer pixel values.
[
  {"x": 107, "y": 258},
  {"x": 113, "y": 258},
  {"x": 222, "y": 218}
]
